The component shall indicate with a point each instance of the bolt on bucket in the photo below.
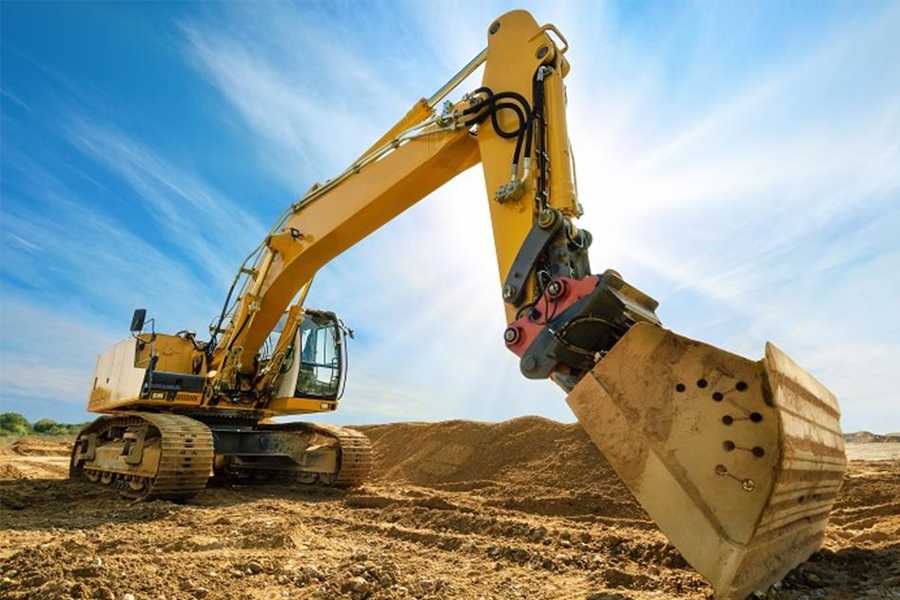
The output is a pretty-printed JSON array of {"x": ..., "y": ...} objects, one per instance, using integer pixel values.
[{"x": 738, "y": 462}]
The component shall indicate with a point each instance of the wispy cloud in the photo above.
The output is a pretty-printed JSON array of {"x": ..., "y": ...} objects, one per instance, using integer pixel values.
[
  {"x": 97, "y": 259},
  {"x": 76, "y": 271},
  {"x": 210, "y": 228},
  {"x": 299, "y": 82},
  {"x": 14, "y": 98},
  {"x": 748, "y": 181},
  {"x": 46, "y": 353}
]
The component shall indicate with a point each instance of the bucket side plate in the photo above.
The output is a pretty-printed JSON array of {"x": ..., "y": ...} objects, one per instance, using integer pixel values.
[
  {"x": 808, "y": 476},
  {"x": 709, "y": 444}
]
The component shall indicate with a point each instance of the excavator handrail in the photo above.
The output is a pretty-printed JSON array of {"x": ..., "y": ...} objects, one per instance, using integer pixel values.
[{"x": 562, "y": 38}]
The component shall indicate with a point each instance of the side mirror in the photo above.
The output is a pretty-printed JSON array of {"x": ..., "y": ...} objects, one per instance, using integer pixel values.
[{"x": 137, "y": 320}]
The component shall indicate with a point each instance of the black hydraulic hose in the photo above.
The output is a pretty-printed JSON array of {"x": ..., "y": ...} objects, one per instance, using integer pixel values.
[
  {"x": 537, "y": 113},
  {"x": 493, "y": 107},
  {"x": 491, "y": 100},
  {"x": 538, "y": 117},
  {"x": 237, "y": 333},
  {"x": 519, "y": 133},
  {"x": 492, "y": 104},
  {"x": 212, "y": 342}
]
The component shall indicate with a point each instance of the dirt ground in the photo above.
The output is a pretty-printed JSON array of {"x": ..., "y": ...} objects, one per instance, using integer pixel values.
[{"x": 522, "y": 509}]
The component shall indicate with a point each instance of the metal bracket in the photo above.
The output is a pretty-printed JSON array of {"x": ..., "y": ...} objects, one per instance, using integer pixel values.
[
  {"x": 134, "y": 446},
  {"x": 594, "y": 323},
  {"x": 87, "y": 449},
  {"x": 552, "y": 27},
  {"x": 535, "y": 243}
]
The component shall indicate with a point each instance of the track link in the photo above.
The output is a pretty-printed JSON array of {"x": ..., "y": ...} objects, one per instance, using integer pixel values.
[
  {"x": 185, "y": 457},
  {"x": 355, "y": 456}
]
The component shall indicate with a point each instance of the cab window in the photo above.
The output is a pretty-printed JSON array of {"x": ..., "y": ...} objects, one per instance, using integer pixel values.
[{"x": 321, "y": 358}]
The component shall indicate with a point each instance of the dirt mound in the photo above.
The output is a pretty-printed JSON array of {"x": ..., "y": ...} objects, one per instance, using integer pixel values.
[
  {"x": 524, "y": 451},
  {"x": 531, "y": 464},
  {"x": 38, "y": 446},
  {"x": 522, "y": 509},
  {"x": 867, "y": 437},
  {"x": 35, "y": 457}
]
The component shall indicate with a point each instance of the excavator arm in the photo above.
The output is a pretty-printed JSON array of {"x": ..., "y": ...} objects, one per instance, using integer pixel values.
[
  {"x": 739, "y": 462},
  {"x": 561, "y": 317}
]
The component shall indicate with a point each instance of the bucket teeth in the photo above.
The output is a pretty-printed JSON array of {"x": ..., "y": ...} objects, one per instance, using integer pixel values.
[{"x": 738, "y": 462}]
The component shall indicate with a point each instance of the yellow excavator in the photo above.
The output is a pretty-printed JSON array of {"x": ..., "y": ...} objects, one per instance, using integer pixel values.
[{"x": 738, "y": 461}]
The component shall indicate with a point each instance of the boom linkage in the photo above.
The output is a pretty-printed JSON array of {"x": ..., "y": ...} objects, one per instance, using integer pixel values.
[{"x": 514, "y": 124}]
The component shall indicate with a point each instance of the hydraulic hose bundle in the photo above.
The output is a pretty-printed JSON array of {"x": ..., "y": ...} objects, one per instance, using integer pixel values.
[{"x": 528, "y": 119}]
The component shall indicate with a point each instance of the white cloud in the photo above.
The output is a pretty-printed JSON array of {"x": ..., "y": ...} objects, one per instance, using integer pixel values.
[
  {"x": 300, "y": 84},
  {"x": 756, "y": 198},
  {"x": 47, "y": 355},
  {"x": 101, "y": 263},
  {"x": 212, "y": 230},
  {"x": 739, "y": 200}
]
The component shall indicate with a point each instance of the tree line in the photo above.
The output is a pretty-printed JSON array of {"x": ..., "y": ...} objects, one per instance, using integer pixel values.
[{"x": 15, "y": 424}]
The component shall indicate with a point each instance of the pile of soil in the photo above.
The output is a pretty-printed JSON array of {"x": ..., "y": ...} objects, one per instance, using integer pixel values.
[
  {"x": 530, "y": 451},
  {"x": 867, "y": 437},
  {"x": 39, "y": 446},
  {"x": 522, "y": 509},
  {"x": 532, "y": 463},
  {"x": 35, "y": 457}
]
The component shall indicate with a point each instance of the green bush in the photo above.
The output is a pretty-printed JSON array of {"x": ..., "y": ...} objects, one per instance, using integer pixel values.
[
  {"x": 14, "y": 424},
  {"x": 45, "y": 426}
]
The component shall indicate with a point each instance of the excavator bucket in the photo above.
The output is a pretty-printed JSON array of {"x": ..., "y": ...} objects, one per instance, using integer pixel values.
[{"x": 738, "y": 462}]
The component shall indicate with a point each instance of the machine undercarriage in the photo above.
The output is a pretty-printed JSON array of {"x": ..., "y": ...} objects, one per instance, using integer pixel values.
[{"x": 155, "y": 455}]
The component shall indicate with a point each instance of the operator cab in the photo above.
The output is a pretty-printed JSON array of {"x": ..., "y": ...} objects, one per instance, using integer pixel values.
[
  {"x": 316, "y": 365},
  {"x": 323, "y": 356}
]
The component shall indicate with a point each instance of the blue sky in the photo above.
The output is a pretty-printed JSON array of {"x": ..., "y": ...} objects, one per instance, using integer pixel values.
[{"x": 737, "y": 161}]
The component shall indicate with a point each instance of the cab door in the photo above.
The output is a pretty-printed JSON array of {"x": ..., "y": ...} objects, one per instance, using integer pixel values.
[{"x": 315, "y": 368}]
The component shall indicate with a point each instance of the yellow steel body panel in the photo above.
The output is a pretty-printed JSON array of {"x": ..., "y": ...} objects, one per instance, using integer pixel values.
[
  {"x": 121, "y": 370},
  {"x": 341, "y": 218},
  {"x": 99, "y": 404},
  {"x": 176, "y": 354},
  {"x": 299, "y": 406},
  {"x": 512, "y": 59}
]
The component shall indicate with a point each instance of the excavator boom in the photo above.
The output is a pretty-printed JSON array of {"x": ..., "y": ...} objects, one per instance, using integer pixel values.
[{"x": 739, "y": 462}]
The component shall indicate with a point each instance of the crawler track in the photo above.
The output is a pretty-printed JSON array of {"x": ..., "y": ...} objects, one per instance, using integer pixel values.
[
  {"x": 356, "y": 455},
  {"x": 184, "y": 463},
  {"x": 179, "y": 454},
  {"x": 355, "y": 452}
]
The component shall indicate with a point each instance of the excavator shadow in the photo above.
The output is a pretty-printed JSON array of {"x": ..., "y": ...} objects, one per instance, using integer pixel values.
[
  {"x": 53, "y": 503},
  {"x": 850, "y": 572}
]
